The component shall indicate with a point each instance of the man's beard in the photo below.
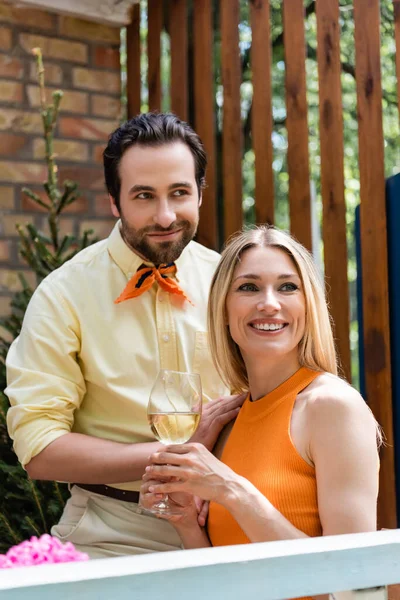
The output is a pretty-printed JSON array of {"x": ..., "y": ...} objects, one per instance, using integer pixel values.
[{"x": 163, "y": 252}]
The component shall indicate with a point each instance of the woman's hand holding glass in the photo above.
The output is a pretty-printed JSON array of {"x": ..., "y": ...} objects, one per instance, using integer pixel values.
[
  {"x": 192, "y": 469},
  {"x": 188, "y": 511}
]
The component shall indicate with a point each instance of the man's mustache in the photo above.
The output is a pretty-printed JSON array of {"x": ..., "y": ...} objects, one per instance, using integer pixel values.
[{"x": 159, "y": 229}]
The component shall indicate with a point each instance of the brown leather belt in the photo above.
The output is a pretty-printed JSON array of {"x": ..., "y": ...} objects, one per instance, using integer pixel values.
[{"x": 111, "y": 492}]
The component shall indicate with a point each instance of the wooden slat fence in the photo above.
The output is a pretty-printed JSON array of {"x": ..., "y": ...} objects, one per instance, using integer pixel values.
[
  {"x": 374, "y": 242},
  {"x": 296, "y": 121},
  {"x": 396, "y": 8},
  {"x": 155, "y": 24},
  {"x": 204, "y": 116},
  {"x": 262, "y": 111},
  {"x": 133, "y": 62},
  {"x": 178, "y": 23},
  {"x": 332, "y": 175},
  {"x": 232, "y": 128},
  {"x": 204, "y": 39}
]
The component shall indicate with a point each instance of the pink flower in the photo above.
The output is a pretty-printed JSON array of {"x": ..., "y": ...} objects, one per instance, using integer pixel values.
[{"x": 39, "y": 551}]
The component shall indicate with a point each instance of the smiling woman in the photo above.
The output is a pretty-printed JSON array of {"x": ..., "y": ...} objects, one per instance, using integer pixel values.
[
  {"x": 279, "y": 258},
  {"x": 301, "y": 459},
  {"x": 266, "y": 314}
]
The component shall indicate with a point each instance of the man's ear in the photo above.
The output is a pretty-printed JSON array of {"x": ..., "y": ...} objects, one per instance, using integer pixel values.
[
  {"x": 114, "y": 208},
  {"x": 200, "y": 200}
]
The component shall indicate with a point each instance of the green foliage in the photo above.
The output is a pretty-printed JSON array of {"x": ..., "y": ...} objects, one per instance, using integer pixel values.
[
  {"x": 279, "y": 136},
  {"x": 31, "y": 507}
]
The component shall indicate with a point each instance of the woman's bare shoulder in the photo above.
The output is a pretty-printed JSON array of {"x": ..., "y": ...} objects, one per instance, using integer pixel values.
[
  {"x": 338, "y": 417},
  {"x": 331, "y": 393},
  {"x": 334, "y": 408}
]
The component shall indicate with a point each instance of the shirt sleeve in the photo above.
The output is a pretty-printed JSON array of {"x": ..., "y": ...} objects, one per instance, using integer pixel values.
[{"x": 45, "y": 384}]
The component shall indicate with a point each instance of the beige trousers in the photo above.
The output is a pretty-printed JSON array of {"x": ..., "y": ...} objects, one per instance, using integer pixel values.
[{"x": 104, "y": 527}]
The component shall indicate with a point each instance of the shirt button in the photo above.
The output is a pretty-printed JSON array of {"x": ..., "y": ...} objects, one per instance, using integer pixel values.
[{"x": 165, "y": 338}]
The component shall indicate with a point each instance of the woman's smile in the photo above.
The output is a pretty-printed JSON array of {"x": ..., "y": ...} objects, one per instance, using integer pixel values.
[{"x": 268, "y": 327}]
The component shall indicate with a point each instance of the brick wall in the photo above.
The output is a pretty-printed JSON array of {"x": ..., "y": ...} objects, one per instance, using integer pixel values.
[{"x": 82, "y": 59}]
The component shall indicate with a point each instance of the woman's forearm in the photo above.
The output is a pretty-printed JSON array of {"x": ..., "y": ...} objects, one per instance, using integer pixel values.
[
  {"x": 194, "y": 470},
  {"x": 257, "y": 517}
]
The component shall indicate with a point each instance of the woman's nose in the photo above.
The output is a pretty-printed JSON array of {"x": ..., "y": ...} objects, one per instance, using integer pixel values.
[{"x": 269, "y": 302}]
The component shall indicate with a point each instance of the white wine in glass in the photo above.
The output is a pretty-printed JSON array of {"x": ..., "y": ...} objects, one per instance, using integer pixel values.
[
  {"x": 173, "y": 428},
  {"x": 174, "y": 412}
]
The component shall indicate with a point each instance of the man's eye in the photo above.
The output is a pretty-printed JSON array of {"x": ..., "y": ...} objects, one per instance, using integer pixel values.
[
  {"x": 144, "y": 196},
  {"x": 289, "y": 287},
  {"x": 180, "y": 193},
  {"x": 248, "y": 287}
]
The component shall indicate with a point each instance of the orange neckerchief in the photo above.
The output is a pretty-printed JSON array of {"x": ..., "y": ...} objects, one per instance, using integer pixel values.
[{"x": 144, "y": 278}]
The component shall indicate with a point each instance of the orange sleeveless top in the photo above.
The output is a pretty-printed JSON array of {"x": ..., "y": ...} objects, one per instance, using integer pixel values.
[{"x": 260, "y": 448}]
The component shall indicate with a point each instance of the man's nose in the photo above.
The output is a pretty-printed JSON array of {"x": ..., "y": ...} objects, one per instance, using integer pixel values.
[{"x": 165, "y": 214}]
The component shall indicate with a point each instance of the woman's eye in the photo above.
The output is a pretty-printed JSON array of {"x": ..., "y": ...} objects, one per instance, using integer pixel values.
[
  {"x": 248, "y": 287},
  {"x": 289, "y": 287}
]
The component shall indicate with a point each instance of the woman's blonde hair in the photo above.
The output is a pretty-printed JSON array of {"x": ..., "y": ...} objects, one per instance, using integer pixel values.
[{"x": 316, "y": 348}]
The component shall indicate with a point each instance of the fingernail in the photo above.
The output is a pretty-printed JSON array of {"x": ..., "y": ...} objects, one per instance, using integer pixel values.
[
  {"x": 151, "y": 489},
  {"x": 148, "y": 469}
]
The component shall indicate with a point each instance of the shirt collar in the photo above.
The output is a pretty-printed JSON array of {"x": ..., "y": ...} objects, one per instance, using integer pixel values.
[{"x": 127, "y": 260}]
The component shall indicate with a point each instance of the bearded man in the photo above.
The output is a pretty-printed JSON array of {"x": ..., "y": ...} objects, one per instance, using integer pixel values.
[{"x": 99, "y": 328}]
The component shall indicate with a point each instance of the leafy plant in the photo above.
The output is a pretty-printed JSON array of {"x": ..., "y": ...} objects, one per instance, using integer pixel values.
[{"x": 30, "y": 507}]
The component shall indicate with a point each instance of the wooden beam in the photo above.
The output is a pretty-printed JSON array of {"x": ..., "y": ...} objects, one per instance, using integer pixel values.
[
  {"x": 133, "y": 56},
  {"x": 204, "y": 117},
  {"x": 232, "y": 122},
  {"x": 332, "y": 175},
  {"x": 109, "y": 12},
  {"x": 374, "y": 243},
  {"x": 269, "y": 571},
  {"x": 154, "y": 21},
  {"x": 261, "y": 111},
  {"x": 396, "y": 8},
  {"x": 179, "y": 52},
  {"x": 296, "y": 121}
]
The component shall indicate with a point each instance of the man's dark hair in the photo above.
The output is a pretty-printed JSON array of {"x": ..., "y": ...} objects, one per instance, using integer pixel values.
[{"x": 150, "y": 129}]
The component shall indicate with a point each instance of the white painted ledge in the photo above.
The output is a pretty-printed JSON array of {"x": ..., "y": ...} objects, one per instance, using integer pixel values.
[
  {"x": 109, "y": 12},
  {"x": 267, "y": 571}
]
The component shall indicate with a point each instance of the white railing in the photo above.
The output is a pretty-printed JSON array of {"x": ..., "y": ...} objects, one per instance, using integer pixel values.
[{"x": 364, "y": 563}]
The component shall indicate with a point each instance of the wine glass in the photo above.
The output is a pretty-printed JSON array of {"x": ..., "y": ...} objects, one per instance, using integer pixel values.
[{"x": 174, "y": 412}]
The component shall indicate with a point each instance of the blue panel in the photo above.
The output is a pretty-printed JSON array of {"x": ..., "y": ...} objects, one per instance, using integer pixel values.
[{"x": 393, "y": 228}]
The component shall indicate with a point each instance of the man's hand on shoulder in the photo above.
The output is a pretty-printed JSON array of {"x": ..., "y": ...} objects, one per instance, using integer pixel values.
[{"x": 216, "y": 414}]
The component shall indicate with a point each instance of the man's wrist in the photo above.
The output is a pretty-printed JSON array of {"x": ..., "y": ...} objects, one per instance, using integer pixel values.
[
  {"x": 193, "y": 535},
  {"x": 186, "y": 527},
  {"x": 198, "y": 439}
]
